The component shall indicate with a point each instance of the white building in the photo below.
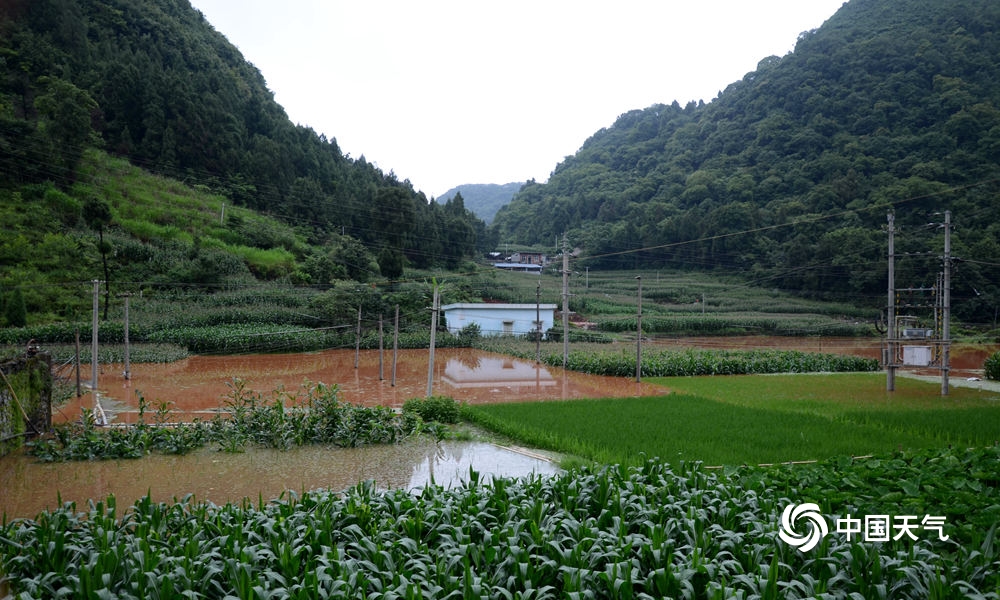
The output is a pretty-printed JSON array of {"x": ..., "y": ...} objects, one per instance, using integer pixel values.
[{"x": 500, "y": 319}]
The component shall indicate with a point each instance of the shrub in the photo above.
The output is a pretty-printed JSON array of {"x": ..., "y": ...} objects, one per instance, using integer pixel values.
[
  {"x": 441, "y": 409},
  {"x": 469, "y": 334},
  {"x": 991, "y": 367}
]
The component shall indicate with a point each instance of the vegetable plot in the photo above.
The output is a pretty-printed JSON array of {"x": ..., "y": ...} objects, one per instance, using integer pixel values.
[{"x": 649, "y": 531}]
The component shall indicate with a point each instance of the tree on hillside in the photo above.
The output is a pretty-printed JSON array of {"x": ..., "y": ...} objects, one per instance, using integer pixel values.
[
  {"x": 15, "y": 313},
  {"x": 64, "y": 124},
  {"x": 152, "y": 81},
  {"x": 886, "y": 105},
  {"x": 97, "y": 215}
]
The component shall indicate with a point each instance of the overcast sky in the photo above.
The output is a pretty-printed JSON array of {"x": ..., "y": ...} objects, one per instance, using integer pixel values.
[{"x": 449, "y": 92}]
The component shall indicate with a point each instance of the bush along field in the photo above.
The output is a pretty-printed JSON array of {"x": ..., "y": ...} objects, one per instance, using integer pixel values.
[
  {"x": 648, "y": 531},
  {"x": 253, "y": 420}
]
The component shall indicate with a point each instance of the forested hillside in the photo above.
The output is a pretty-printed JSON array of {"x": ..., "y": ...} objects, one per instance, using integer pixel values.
[
  {"x": 788, "y": 174},
  {"x": 151, "y": 81}
]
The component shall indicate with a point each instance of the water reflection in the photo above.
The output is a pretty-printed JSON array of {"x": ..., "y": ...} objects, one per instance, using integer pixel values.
[
  {"x": 197, "y": 386},
  {"x": 28, "y": 487},
  {"x": 497, "y": 373}
]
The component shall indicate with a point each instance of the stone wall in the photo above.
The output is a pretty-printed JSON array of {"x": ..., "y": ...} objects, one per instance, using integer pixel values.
[{"x": 25, "y": 399}]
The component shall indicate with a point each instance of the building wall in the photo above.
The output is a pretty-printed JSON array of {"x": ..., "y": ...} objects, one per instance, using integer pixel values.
[{"x": 498, "y": 319}]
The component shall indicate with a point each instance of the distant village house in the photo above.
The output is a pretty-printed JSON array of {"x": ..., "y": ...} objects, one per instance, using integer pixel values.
[
  {"x": 500, "y": 319},
  {"x": 523, "y": 261}
]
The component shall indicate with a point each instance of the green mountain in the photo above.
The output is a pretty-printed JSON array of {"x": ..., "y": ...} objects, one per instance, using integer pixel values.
[
  {"x": 788, "y": 175},
  {"x": 86, "y": 82},
  {"x": 483, "y": 199}
]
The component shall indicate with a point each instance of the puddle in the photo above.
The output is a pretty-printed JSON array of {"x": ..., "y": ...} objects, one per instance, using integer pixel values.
[{"x": 28, "y": 487}]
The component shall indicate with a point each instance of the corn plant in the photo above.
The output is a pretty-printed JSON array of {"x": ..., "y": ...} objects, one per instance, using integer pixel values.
[
  {"x": 647, "y": 531},
  {"x": 671, "y": 363},
  {"x": 280, "y": 421}
]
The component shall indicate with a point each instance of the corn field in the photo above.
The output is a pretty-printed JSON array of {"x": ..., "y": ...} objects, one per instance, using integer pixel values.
[
  {"x": 689, "y": 362},
  {"x": 648, "y": 531}
]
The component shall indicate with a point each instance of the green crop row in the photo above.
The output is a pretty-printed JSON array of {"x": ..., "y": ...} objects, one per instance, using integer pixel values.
[
  {"x": 175, "y": 343},
  {"x": 688, "y": 362},
  {"x": 735, "y": 324},
  {"x": 648, "y": 531}
]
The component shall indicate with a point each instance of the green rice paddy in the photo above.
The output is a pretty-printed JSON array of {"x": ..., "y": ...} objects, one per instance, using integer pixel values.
[{"x": 737, "y": 420}]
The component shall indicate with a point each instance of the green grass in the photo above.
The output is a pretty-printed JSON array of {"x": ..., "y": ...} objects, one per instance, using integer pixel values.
[{"x": 753, "y": 419}]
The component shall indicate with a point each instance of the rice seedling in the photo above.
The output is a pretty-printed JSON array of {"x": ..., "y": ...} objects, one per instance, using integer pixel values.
[
  {"x": 681, "y": 427},
  {"x": 966, "y": 417}
]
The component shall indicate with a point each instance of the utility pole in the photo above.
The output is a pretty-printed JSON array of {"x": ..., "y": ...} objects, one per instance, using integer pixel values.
[
  {"x": 93, "y": 339},
  {"x": 76, "y": 361},
  {"x": 357, "y": 340},
  {"x": 395, "y": 345},
  {"x": 380, "y": 348},
  {"x": 538, "y": 323},
  {"x": 128, "y": 365},
  {"x": 430, "y": 358},
  {"x": 565, "y": 301},
  {"x": 946, "y": 309},
  {"x": 890, "y": 357},
  {"x": 638, "y": 335}
]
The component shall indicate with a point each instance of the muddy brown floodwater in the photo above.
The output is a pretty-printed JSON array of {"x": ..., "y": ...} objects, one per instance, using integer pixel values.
[{"x": 198, "y": 386}]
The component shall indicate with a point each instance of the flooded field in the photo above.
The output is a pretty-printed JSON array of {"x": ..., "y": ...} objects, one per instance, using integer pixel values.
[
  {"x": 28, "y": 487},
  {"x": 197, "y": 387}
]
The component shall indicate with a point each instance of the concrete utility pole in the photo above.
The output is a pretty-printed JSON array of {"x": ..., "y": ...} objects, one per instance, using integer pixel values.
[
  {"x": 638, "y": 335},
  {"x": 890, "y": 357},
  {"x": 946, "y": 309},
  {"x": 538, "y": 323},
  {"x": 93, "y": 338},
  {"x": 380, "y": 348},
  {"x": 395, "y": 344},
  {"x": 430, "y": 358},
  {"x": 128, "y": 364},
  {"x": 565, "y": 301},
  {"x": 357, "y": 340},
  {"x": 76, "y": 361}
]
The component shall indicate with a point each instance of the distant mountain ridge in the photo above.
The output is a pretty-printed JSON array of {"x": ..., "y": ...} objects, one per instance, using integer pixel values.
[{"x": 483, "y": 199}]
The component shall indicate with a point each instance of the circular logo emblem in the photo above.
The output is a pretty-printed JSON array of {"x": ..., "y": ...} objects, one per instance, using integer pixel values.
[{"x": 808, "y": 512}]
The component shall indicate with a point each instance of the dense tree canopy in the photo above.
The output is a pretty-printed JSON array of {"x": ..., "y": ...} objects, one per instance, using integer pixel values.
[
  {"x": 789, "y": 173},
  {"x": 152, "y": 81}
]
